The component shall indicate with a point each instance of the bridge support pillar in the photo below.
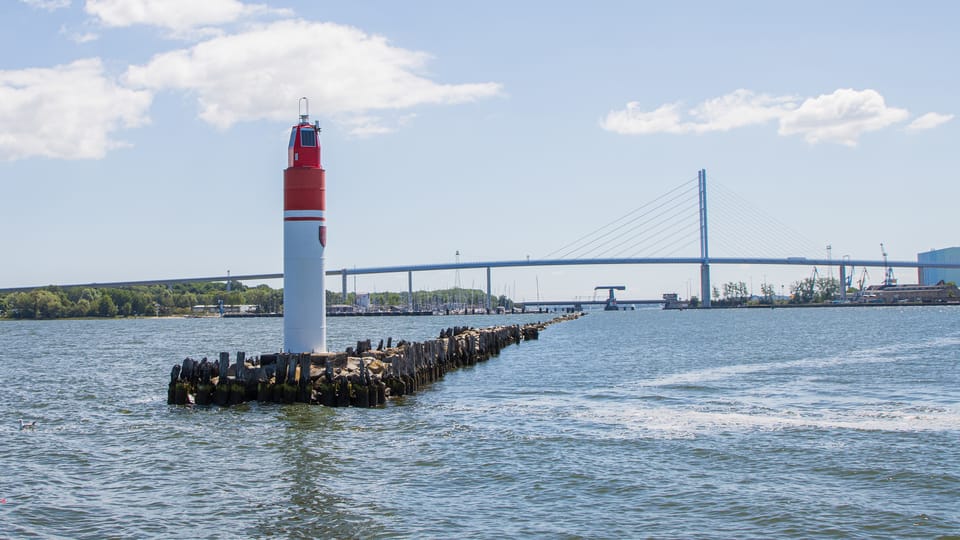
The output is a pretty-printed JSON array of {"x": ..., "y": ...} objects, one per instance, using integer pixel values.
[
  {"x": 410, "y": 290},
  {"x": 343, "y": 283},
  {"x": 488, "y": 290},
  {"x": 705, "y": 285},
  {"x": 843, "y": 283}
]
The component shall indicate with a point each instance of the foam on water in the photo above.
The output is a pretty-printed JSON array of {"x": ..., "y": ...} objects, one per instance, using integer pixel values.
[
  {"x": 672, "y": 421},
  {"x": 888, "y": 353}
]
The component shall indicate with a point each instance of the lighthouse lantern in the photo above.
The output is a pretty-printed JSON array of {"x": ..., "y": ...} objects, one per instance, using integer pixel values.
[{"x": 304, "y": 148}]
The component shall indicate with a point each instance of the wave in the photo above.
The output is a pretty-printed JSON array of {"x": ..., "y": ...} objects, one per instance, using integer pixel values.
[{"x": 887, "y": 353}]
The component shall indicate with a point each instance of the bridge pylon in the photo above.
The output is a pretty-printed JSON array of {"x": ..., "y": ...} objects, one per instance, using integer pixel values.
[{"x": 704, "y": 251}]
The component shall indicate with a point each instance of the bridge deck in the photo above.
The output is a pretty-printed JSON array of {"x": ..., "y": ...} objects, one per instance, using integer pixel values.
[{"x": 788, "y": 261}]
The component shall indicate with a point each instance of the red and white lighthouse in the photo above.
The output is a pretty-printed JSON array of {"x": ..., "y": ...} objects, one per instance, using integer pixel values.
[{"x": 304, "y": 239}]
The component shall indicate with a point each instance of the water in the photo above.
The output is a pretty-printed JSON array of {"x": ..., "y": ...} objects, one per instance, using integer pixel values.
[{"x": 725, "y": 423}]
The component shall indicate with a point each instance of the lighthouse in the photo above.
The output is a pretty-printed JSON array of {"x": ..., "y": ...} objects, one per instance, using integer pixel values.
[{"x": 304, "y": 239}]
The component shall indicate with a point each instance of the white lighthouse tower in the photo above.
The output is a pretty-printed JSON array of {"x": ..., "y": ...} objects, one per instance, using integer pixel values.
[{"x": 304, "y": 239}]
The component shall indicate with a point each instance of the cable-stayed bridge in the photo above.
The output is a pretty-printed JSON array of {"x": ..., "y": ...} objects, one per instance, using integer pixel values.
[{"x": 665, "y": 231}]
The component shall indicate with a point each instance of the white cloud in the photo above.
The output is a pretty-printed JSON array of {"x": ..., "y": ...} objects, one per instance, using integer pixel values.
[
  {"x": 182, "y": 17},
  {"x": 840, "y": 117},
  {"x": 77, "y": 37},
  {"x": 634, "y": 121},
  {"x": 69, "y": 111},
  {"x": 736, "y": 109},
  {"x": 360, "y": 125},
  {"x": 49, "y": 5},
  {"x": 86, "y": 37},
  {"x": 366, "y": 125},
  {"x": 263, "y": 72},
  {"x": 929, "y": 121}
]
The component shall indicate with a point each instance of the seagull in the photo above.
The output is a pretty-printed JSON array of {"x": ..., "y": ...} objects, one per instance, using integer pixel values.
[{"x": 27, "y": 425}]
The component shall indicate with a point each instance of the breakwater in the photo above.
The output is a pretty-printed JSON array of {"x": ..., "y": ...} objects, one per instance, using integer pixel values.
[{"x": 360, "y": 376}]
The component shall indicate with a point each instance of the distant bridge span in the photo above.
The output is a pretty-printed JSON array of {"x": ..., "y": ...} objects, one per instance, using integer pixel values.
[{"x": 410, "y": 269}]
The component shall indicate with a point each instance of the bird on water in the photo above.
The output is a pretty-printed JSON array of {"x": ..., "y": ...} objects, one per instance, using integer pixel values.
[{"x": 27, "y": 425}]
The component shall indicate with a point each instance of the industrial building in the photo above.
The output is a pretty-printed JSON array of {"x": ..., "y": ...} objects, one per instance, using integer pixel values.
[
  {"x": 932, "y": 276},
  {"x": 939, "y": 293}
]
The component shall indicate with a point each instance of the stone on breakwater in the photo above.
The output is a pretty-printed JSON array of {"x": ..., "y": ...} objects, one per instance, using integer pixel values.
[{"x": 360, "y": 376}]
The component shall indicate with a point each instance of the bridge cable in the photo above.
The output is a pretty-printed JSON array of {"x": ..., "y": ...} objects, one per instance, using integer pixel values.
[
  {"x": 665, "y": 240},
  {"x": 773, "y": 235},
  {"x": 657, "y": 210},
  {"x": 731, "y": 210},
  {"x": 643, "y": 234},
  {"x": 766, "y": 222},
  {"x": 638, "y": 229},
  {"x": 573, "y": 246}
]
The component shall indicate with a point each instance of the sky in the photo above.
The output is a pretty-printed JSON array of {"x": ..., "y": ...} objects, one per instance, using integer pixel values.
[{"x": 146, "y": 139}]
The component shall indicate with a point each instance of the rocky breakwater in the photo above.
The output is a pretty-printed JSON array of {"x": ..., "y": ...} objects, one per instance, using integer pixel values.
[{"x": 361, "y": 376}]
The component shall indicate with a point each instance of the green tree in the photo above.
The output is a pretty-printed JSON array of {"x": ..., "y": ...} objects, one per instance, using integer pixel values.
[
  {"x": 21, "y": 305},
  {"x": 735, "y": 293},
  {"x": 83, "y": 308},
  {"x": 47, "y": 304},
  {"x": 768, "y": 291},
  {"x": 259, "y": 296},
  {"x": 827, "y": 288},
  {"x": 803, "y": 291},
  {"x": 106, "y": 307},
  {"x": 185, "y": 300}
]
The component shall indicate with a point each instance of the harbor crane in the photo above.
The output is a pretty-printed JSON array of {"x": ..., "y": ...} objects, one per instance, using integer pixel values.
[
  {"x": 847, "y": 274},
  {"x": 888, "y": 278},
  {"x": 861, "y": 283},
  {"x": 807, "y": 290},
  {"x": 611, "y": 304}
]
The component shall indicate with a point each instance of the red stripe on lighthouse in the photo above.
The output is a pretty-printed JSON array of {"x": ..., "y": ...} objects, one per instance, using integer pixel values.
[{"x": 304, "y": 189}]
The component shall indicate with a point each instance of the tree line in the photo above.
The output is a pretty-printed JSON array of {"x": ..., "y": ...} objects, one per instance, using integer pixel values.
[
  {"x": 136, "y": 301},
  {"x": 816, "y": 289},
  {"x": 455, "y": 298},
  {"x": 179, "y": 299}
]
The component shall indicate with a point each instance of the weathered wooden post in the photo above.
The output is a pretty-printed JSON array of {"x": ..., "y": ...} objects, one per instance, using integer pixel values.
[
  {"x": 204, "y": 386},
  {"x": 172, "y": 388},
  {"x": 343, "y": 393},
  {"x": 221, "y": 394},
  {"x": 362, "y": 393},
  {"x": 305, "y": 388},
  {"x": 224, "y": 365},
  {"x": 280, "y": 378}
]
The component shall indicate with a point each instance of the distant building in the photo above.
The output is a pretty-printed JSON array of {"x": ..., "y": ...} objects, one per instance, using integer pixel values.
[
  {"x": 227, "y": 308},
  {"x": 672, "y": 301},
  {"x": 932, "y": 276},
  {"x": 939, "y": 293}
]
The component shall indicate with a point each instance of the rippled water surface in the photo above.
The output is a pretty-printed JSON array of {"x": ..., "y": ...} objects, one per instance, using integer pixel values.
[{"x": 647, "y": 423}]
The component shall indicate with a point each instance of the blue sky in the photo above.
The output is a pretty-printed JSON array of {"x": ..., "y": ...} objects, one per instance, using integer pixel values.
[{"x": 146, "y": 139}]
